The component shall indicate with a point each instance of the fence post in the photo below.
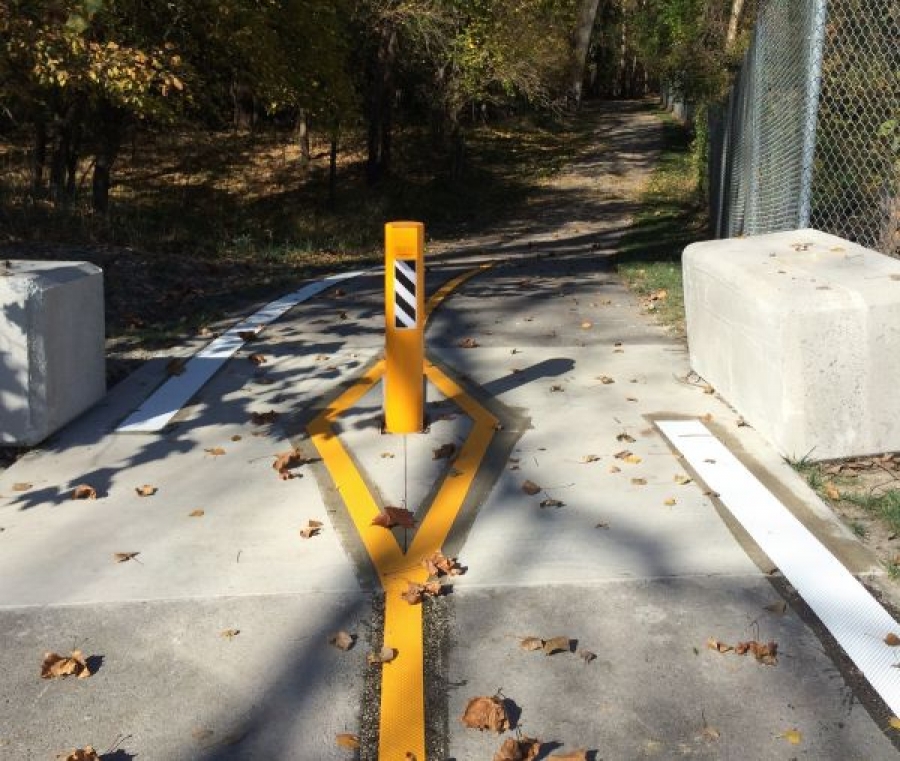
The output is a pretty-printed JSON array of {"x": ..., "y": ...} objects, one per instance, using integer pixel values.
[{"x": 813, "y": 88}]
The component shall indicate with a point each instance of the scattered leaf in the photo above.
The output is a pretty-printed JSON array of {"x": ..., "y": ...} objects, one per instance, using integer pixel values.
[
  {"x": 342, "y": 640},
  {"x": 682, "y": 480},
  {"x": 348, "y": 741},
  {"x": 21, "y": 486},
  {"x": 586, "y": 655},
  {"x": 530, "y": 488},
  {"x": 778, "y": 608},
  {"x": 764, "y": 653},
  {"x": 196, "y": 513},
  {"x": 670, "y": 502},
  {"x": 84, "y": 491},
  {"x": 557, "y": 645},
  {"x": 247, "y": 335},
  {"x": 832, "y": 492},
  {"x": 124, "y": 557},
  {"x": 710, "y": 734},
  {"x": 236, "y": 437},
  {"x": 625, "y": 453},
  {"x": 443, "y": 452},
  {"x": 624, "y": 437},
  {"x": 894, "y": 722},
  {"x": 87, "y": 753},
  {"x": 263, "y": 418},
  {"x": 284, "y": 461},
  {"x": 556, "y": 388},
  {"x": 793, "y": 736},
  {"x": 415, "y": 592},
  {"x": 394, "y": 516},
  {"x": 54, "y": 666},
  {"x": 175, "y": 366},
  {"x": 639, "y": 481},
  {"x": 146, "y": 490},
  {"x": 707, "y": 389},
  {"x": 257, "y": 359},
  {"x": 590, "y": 458},
  {"x": 531, "y": 643},
  {"x": 229, "y": 634},
  {"x": 605, "y": 379},
  {"x": 549, "y": 502},
  {"x": 467, "y": 343},
  {"x": 586, "y": 325},
  {"x": 713, "y": 644},
  {"x": 215, "y": 451},
  {"x": 385, "y": 655},
  {"x": 891, "y": 639},
  {"x": 602, "y": 525},
  {"x": 387, "y": 455},
  {"x": 741, "y": 423},
  {"x": 311, "y": 529},
  {"x": 438, "y": 564},
  {"x": 572, "y": 755},
  {"x": 486, "y": 713},
  {"x": 515, "y": 749}
]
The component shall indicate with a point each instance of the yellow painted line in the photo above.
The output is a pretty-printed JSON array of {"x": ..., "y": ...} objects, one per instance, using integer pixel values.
[
  {"x": 402, "y": 710},
  {"x": 451, "y": 285}
]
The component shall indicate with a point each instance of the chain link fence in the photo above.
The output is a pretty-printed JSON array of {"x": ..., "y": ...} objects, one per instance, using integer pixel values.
[{"x": 810, "y": 133}]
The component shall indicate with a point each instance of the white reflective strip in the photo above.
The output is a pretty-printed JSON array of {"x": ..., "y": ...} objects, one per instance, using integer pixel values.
[
  {"x": 164, "y": 403},
  {"x": 401, "y": 293},
  {"x": 855, "y": 619},
  {"x": 405, "y": 269},
  {"x": 408, "y": 321}
]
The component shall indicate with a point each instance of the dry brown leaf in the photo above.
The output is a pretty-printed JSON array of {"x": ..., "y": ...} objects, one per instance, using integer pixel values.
[
  {"x": 387, "y": 455},
  {"x": 257, "y": 359},
  {"x": 586, "y": 324},
  {"x": 615, "y": 469},
  {"x": 175, "y": 366},
  {"x": 832, "y": 492},
  {"x": 385, "y": 655},
  {"x": 552, "y": 502},
  {"x": 682, "y": 480},
  {"x": 196, "y": 513},
  {"x": 416, "y": 592},
  {"x": 229, "y": 634},
  {"x": 557, "y": 645},
  {"x": 713, "y": 644},
  {"x": 263, "y": 418},
  {"x": 215, "y": 451},
  {"x": 236, "y": 437},
  {"x": 247, "y": 335},
  {"x": 894, "y": 722},
  {"x": 54, "y": 666},
  {"x": 764, "y": 653},
  {"x": 530, "y": 487},
  {"x": 605, "y": 379},
  {"x": 84, "y": 491},
  {"x": 443, "y": 452},
  {"x": 707, "y": 389},
  {"x": 437, "y": 564},
  {"x": 513, "y": 749},
  {"x": 486, "y": 713},
  {"x": 531, "y": 643},
  {"x": 556, "y": 388},
  {"x": 624, "y": 454},
  {"x": 21, "y": 486},
  {"x": 793, "y": 736},
  {"x": 572, "y": 755},
  {"x": 146, "y": 490},
  {"x": 342, "y": 640},
  {"x": 284, "y": 461},
  {"x": 467, "y": 343},
  {"x": 311, "y": 529},
  {"x": 639, "y": 481},
  {"x": 590, "y": 458},
  {"x": 670, "y": 502},
  {"x": 87, "y": 753},
  {"x": 624, "y": 437},
  {"x": 124, "y": 557},
  {"x": 347, "y": 740},
  {"x": 891, "y": 639},
  {"x": 710, "y": 734},
  {"x": 586, "y": 655},
  {"x": 394, "y": 516}
]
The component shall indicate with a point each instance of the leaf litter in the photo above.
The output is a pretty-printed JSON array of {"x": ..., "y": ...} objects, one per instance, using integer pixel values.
[
  {"x": 486, "y": 713},
  {"x": 394, "y": 516},
  {"x": 518, "y": 749},
  {"x": 54, "y": 666},
  {"x": 311, "y": 529}
]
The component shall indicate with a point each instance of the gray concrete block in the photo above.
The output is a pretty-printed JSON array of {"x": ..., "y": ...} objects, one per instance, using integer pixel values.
[
  {"x": 52, "y": 334},
  {"x": 800, "y": 332}
]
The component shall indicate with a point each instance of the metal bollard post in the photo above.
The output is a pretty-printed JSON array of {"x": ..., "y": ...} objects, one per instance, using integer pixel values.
[{"x": 404, "y": 309}]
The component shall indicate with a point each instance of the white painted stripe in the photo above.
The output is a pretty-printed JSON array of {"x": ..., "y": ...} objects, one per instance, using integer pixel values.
[
  {"x": 410, "y": 272},
  {"x": 408, "y": 321},
  {"x": 400, "y": 293},
  {"x": 164, "y": 403},
  {"x": 856, "y": 619}
]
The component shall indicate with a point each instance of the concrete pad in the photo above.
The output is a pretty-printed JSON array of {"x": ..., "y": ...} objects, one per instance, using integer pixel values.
[
  {"x": 654, "y": 685},
  {"x": 52, "y": 355},
  {"x": 799, "y": 331}
]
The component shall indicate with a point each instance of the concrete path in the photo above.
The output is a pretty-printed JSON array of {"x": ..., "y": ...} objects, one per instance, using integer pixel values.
[{"x": 212, "y": 642}]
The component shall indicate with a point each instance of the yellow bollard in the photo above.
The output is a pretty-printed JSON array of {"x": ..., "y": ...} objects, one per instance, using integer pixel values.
[{"x": 404, "y": 333}]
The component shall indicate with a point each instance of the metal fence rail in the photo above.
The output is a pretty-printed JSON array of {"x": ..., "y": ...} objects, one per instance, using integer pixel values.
[{"x": 809, "y": 135}]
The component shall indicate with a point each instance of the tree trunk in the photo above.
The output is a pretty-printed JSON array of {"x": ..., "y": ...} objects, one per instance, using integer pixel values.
[
  {"x": 584, "y": 25},
  {"x": 380, "y": 106},
  {"x": 302, "y": 132},
  {"x": 244, "y": 103},
  {"x": 734, "y": 22},
  {"x": 332, "y": 164},
  {"x": 111, "y": 123},
  {"x": 39, "y": 157}
]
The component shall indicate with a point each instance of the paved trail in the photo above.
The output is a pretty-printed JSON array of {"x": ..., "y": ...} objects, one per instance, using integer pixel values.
[{"x": 625, "y": 561}]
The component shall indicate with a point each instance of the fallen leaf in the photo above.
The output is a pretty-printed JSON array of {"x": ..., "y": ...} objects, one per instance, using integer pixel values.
[
  {"x": 530, "y": 488},
  {"x": 741, "y": 423},
  {"x": 311, "y": 529},
  {"x": 215, "y": 451},
  {"x": 486, "y": 713},
  {"x": 590, "y": 458},
  {"x": 793, "y": 736},
  {"x": 639, "y": 481},
  {"x": 342, "y": 640},
  {"x": 531, "y": 643},
  {"x": 229, "y": 634},
  {"x": 387, "y": 455},
  {"x": 21, "y": 486},
  {"x": 832, "y": 492},
  {"x": 624, "y": 437},
  {"x": 891, "y": 639},
  {"x": 146, "y": 490},
  {"x": 87, "y": 753},
  {"x": 175, "y": 366},
  {"x": 348, "y": 741},
  {"x": 625, "y": 453},
  {"x": 602, "y": 525},
  {"x": 394, "y": 516},
  {"x": 552, "y": 503},
  {"x": 633, "y": 459},
  {"x": 437, "y": 564},
  {"x": 247, "y": 335},
  {"x": 894, "y": 722},
  {"x": 556, "y": 388},
  {"x": 84, "y": 491},
  {"x": 557, "y": 645},
  {"x": 707, "y": 389},
  {"x": 257, "y": 359},
  {"x": 124, "y": 557},
  {"x": 586, "y": 655},
  {"x": 572, "y": 755},
  {"x": 670, "y": 502},
  {"x": 284, "y": 461},
  {"x": 764, "y": 653},
  {"x": 236, "y": 437},
  {"x": 467, "y": 343},
  {"x": 605, "y": 379},
  {"x": 710, "y": 734},
  {"x": 514, "y": 749},
  {"x": 385, "y": 655},
  {"x": 682, "y": 480},
  {"x": 713, "y": 644},
  {"x": 615, "y": 469},
  {"x": 586, "y": 324},
  {"x": 415, "y": 592},
  {"x": 54, "y": 666},
  {"x": 443, "y": 452},
  {"x": 196, "y": 513},
  {"x": 778, "y": 608},
  {"x": 263, "y": 418},
  {"x": 711, "y": 494}
]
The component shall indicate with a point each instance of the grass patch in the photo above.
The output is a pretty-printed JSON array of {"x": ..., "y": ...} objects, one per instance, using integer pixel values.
[
  {"x": 884, "y": 505},
  {"x": 671, "y": 216}
]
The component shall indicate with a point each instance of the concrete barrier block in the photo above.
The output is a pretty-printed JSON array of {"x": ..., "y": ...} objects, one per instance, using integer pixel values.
[
  {"x": 800, "y": 332},
  {"x": 52, "y": 354}
]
